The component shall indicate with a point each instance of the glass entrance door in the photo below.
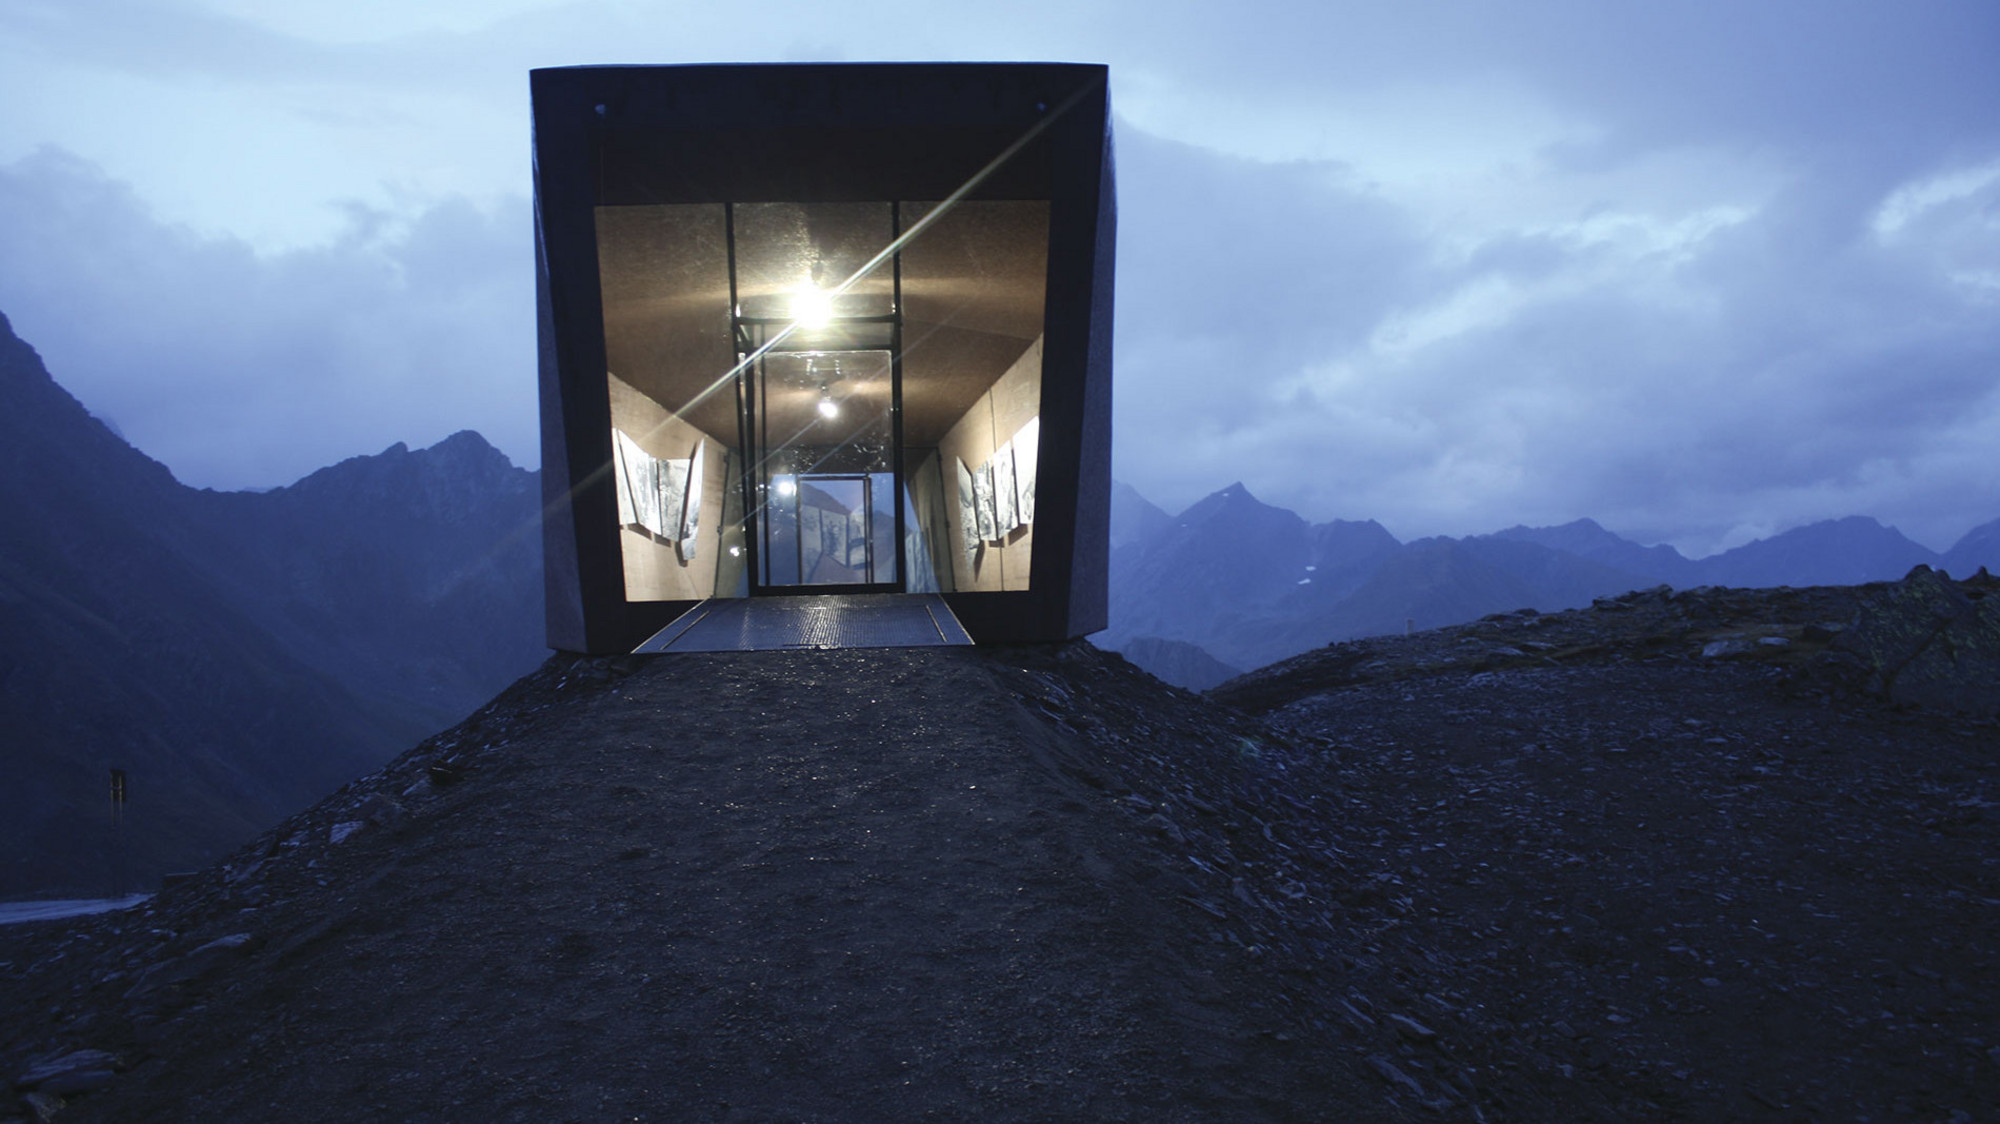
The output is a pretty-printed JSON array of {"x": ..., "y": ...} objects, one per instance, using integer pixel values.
[{"x": 823, "y": 472}]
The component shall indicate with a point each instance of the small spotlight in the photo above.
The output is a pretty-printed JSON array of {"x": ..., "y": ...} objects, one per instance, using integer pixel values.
[
  {"x": 736, "y": 552},
  {"x": 786, "y": 487},
  {"x": 828, "y": 408}
]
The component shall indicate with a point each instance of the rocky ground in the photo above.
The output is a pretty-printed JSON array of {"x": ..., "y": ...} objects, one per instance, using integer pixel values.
[{"x": 1680, "y": 856}]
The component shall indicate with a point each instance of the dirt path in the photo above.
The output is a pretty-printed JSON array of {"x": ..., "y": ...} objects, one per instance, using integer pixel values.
[{"x": 781, "y": 886}]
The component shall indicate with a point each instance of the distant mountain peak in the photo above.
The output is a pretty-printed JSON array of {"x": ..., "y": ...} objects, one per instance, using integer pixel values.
[
  {"x": 1236, "y": 503},
  {"x": 463, "y": 440},
  {"x": 1576, "y": 530}
]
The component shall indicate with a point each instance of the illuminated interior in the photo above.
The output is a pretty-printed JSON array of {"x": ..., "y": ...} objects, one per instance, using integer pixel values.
[{"x": 785, "y": 421}]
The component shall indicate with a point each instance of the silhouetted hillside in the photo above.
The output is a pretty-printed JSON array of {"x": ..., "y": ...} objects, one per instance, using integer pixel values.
[
  {"x": 239, "y": 655},
  {"x": 1178, "y": 662},
  {"x": 408, "y": 576}
]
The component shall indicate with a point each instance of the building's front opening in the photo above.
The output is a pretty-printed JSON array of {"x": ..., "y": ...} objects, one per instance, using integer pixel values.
[
  {"x": 822, "y": 483},
  {"x": 774, "y": 436}
]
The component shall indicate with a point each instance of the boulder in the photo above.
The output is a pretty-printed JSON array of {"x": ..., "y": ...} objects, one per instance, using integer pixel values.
[{"x": 1929, "y": 641}]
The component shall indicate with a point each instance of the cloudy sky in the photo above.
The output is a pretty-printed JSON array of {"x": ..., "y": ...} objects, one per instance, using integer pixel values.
[{"x": 1702, "y": 271}]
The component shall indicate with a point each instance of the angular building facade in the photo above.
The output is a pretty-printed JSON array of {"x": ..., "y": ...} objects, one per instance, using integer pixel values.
[{"x": 824, "y": 329}]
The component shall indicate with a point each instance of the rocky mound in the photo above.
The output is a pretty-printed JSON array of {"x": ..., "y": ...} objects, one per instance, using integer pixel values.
[
  {"x": 871, "y": 885},
  {"x": 1925, "y": 640},
  {"x": 1638, "y": 862}
]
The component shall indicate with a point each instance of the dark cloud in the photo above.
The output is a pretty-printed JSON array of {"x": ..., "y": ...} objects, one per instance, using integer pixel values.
[
  {"x": 1699, "y": 381},
  {"x": 1231, "y": 275},
  {"x": 240, "y": 369},
  {"x": 1700, "y": 270},
  {"x": 164, "y": 40},
  {"x": 1806, "y": 74}
]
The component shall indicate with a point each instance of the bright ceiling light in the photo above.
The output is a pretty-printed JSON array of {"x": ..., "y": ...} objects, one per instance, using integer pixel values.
[
  {"x": 828, "y": 408},
  {"x": 812, "y": 306},
  {"x": 786, "y": 487}
]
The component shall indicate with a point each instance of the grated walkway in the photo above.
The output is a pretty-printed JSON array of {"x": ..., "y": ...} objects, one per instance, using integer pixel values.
[{"x": 825, "y": 621}]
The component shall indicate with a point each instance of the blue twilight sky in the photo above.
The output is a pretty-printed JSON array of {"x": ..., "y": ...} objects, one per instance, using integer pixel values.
[{"x": 1700, "y": 270}]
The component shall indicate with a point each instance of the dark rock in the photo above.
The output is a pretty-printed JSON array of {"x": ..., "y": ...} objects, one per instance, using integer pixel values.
[
  {"x": 191, "y": 967},
  {"x": 1932, "y": 642},
  {"x": 43, "y": 1105},
  {"x": 381, "y": 811},
  {"x": 48, "y": 1069},
  {"x": 77, "y": 1081},
  {"x": 1411, "y": 1028},
  {"x": 1394, "y": 1076}
]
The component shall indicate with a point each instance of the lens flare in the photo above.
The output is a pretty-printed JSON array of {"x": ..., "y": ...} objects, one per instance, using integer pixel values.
[{"x": 812, "y": 306}]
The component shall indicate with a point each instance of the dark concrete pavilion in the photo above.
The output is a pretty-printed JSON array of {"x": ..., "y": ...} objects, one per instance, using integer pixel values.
[{"x": 839, "y": 334}]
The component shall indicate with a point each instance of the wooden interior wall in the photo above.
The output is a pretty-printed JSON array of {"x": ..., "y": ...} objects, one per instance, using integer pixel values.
[
  {"x": 1013, "y": 400},
  {"x": 654, "y": 570}
]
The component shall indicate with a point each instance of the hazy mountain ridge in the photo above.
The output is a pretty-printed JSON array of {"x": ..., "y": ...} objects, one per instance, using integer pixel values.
[
  {"x": 219, "y": 646},
  {"x": 415, "y": 576},
  {"x": 1250, "y": 584}
]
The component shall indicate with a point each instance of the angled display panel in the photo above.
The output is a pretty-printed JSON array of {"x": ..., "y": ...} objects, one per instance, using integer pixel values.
[{"x": 824, "y": 329}]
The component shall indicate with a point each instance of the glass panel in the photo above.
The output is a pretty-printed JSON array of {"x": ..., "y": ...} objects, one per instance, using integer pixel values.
[
  {"x": 781, "y": 530},
  {"x": 833, "y": 512},
  {"x": 974, "y": 286},
  {"x": 824, "y": 435},
  {"x": 790, "y": 256},
  {"x": 882, "y": 526},
  {"x": 663, "y": 273},
  {"x": 928, "y": 536},
  {"x": 732, "y": 569}
]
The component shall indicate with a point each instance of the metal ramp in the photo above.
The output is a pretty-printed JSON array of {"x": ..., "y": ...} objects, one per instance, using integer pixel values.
[{"x": 843, "y": 620}]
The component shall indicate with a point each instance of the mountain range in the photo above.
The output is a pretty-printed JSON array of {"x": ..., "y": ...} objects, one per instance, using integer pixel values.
[
  {"x": 1233, "y": 583},
  {"x": 237, "y": 654}
]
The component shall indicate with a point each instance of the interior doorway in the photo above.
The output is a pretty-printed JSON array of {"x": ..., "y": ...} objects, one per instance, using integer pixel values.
[
  {"x": 823, "y": 473},
  {"x": 819, "y": 396}
]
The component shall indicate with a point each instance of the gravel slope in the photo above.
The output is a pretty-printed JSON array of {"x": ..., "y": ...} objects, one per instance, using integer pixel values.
[
  {"x": 1550, "y": 868},
  {"x": 785, "y": 886}
]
